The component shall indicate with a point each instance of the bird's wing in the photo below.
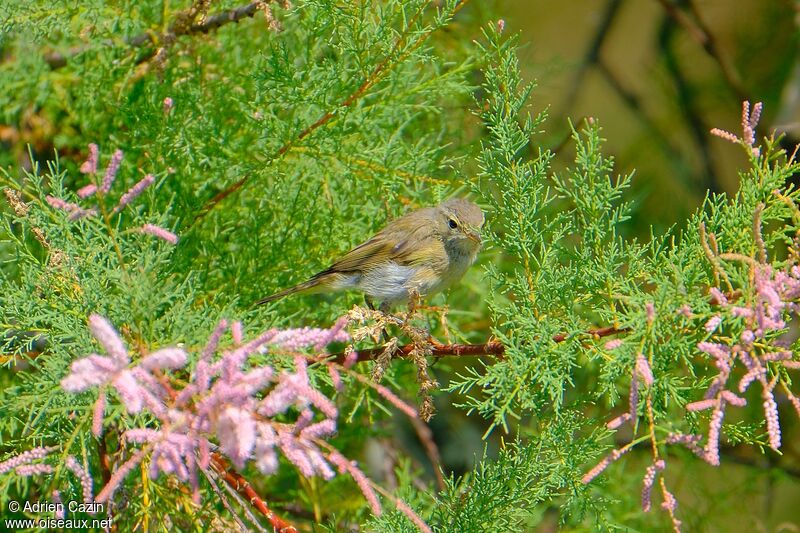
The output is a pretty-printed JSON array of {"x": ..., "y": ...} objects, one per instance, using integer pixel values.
[{"x": 405, "y": 247}]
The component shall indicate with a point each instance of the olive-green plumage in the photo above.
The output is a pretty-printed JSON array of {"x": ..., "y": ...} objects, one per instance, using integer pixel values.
[{"x": 423, "y": 251}]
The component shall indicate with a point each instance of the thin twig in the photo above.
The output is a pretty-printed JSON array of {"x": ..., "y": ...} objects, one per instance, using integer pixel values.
[
  {"x": 237, "y": 482},
  {"x": 57, "y": 60}
]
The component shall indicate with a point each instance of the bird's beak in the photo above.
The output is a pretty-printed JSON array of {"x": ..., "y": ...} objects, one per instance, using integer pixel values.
[{"x": 474, "y": 235}]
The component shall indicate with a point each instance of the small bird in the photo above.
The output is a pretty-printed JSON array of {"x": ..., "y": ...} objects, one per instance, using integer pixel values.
[{"x": 421, "y": 252}]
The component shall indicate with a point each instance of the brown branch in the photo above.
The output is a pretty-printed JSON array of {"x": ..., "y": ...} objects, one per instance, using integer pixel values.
[
  {"x": 491, "y": 347},
  {"x": 238, "y": 483},
  {"x": 57, "y": 60}
]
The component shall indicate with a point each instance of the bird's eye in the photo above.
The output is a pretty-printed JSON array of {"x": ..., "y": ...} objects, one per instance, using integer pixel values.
[{"x": 452, "y": 223}]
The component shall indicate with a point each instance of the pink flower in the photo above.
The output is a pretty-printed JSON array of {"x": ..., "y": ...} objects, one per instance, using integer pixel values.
[
  {"x": 111, "y": 171},
  {"x": 647, "y": 482},
  {"x": 74, "y": 210},
  {"x": 87, "y": 190},
  {"x": 108, "y": 338},
  {"x": 701, "y": 405},
  {"x": 25, "y": 458},
  {"x": 613, "y": 344},
  {"x": 161, "y": 233},
  {"x": 643, "y": 368},
  {"x": 34, "y": 469},
  {"x": 83, "y": 476},
  {"x": 650, "y": 311},
  {"x": 98, "y": 413},
  {"x": 713, "y": 323},
  {"x": 164, "y": 358},
  {"x": 718, "y": 297},
  {"x": 345, "y": 465},
  {"x": 771, "y": 415},
  {"x": 135, "y": 191},
  {"x": 602, "y": 465},
  {"x": 714, "y": 428},
  {"x": 618, "y": 421},
  {"x": 90, "y": 165},
  {"x": 118, "y": 476},
  {"x": 236, "y": 431}
]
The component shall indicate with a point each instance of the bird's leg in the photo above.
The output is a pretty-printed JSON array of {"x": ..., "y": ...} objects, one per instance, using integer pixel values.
[{"x": 384, "y": 308}]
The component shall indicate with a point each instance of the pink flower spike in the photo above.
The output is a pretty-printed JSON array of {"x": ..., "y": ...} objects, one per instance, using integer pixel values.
[
  {"x": 129, "y": 391},
  {"x": 98, "y": 414},
  {"x": 90, "y": 165},
  {"x": 714, "y": 428},
  {"x": 108, "y": 338},
  {"x": 83, "y": 476},
  {"x": 141, "y": 435},
  {"x": 165, "y": 358},
  {"x": 648, "y": 481},
  {"x": 135, "y": 191},
  {"x": 161, "y": 233},
  {"x": 771, "y": 415},
  {"x": 34, "y": 470},
  {"x": 344, "y": 465},
  {"x": 713, "y": 323},
  {"x": 336, "y": 378},
  {"x": 650, "y": 311},
  {"x": 643, "y": 368},
  {"x": 613, "y": 344},
  {"x": 755, "y": 116},
  {"x": 236, "y": 431},
  {"x": 722, "y": 134},
  {"x": 794, "y": 365},
  {"x": 167, "y": 105},
  {"x": 701, "y": 405},
  {"x": 602, "y": 465},
  {"x": 732, "y": 399},
  {"x": 118, "y": 476},
  {"x": 617, "y": 422},
  {"x": 351, "y": 357},
  {"x": 719, "y": 298},
  {"x": 409, "y": 512},
  {"x": 63, "y": 205},
  {"x": 396, "y": 401},
  {"x": 25, "y": 458},
  {"x": 111, "y": 171},
  {"x": 87, "y": 190},
  {"x": 59, "y": 514},
  {"x": 236, "y": 333},
  {"x": 213, "y": 341}
]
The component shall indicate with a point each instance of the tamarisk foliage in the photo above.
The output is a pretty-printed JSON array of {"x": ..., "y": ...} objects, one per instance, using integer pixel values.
[{"x": 173, "y": 163}]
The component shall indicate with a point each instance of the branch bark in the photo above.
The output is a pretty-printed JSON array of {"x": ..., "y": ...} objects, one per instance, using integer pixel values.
[
  {"x": 57, "y": 60},
  {"x": 491, "y": 347}
]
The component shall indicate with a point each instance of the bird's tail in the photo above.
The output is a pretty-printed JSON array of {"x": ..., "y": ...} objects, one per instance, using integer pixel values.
[{"x": 309, "y": 285}]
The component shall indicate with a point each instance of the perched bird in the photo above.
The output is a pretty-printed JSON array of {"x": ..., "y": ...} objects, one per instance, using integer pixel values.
[{"x": 423, "y": 251}]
